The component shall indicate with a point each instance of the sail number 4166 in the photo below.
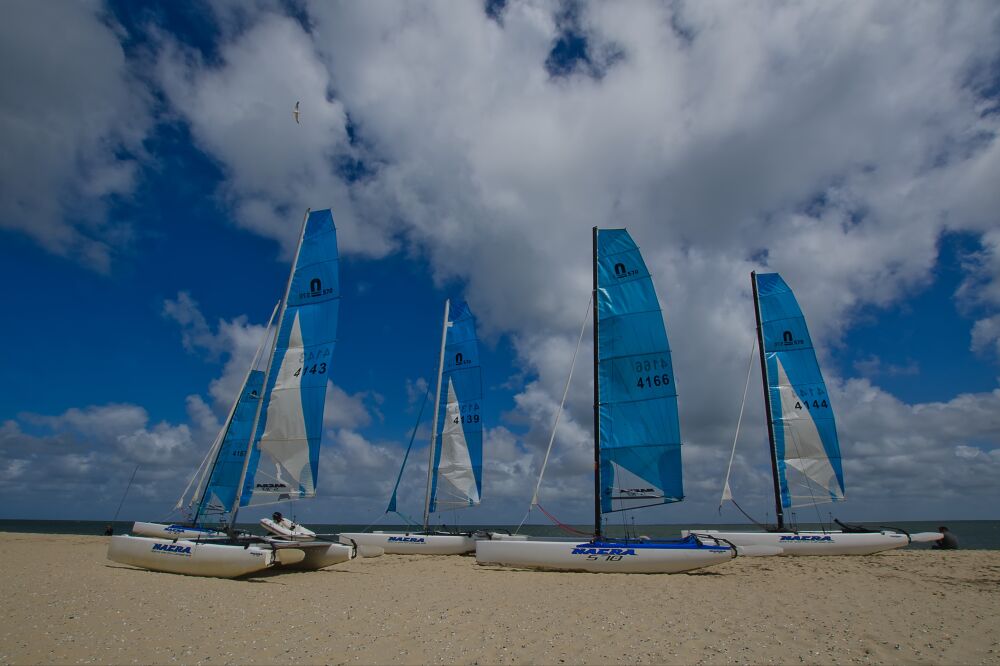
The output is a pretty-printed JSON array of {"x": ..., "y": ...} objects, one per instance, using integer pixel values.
[{"x": 650, "y": 381}]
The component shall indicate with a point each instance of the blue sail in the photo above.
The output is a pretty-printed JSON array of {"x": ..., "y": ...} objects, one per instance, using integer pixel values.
[
  {"x": 640, "y": 438},
  {"x": 285, "y": 457},
  {"x": 805, "y": 433},
  {"x": 457, "y": 477},
  {"x": 220, "y": 492}
]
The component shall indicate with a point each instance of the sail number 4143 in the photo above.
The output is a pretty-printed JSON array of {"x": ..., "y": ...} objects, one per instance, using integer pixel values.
[{"x": 314, "y": 369}]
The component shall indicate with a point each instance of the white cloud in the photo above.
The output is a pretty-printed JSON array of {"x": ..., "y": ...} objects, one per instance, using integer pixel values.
[
  {"x": 241, "y": 112},
  {"x": 72, "y": 121},
  {"x": 833, "y": 145}
]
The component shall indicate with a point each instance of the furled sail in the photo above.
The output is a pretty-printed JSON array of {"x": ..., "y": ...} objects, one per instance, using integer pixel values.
[
  {"x": 285, "y": 456},
  {"x": 805, "y": 434},
  {"x": 458, "y": 461},
  {"x": 640, "y": 439}
]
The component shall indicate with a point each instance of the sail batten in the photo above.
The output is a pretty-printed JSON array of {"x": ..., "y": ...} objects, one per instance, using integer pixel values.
[
  {"x": 457, "y": 471},
  {"x": 639, "y": 429},
  {"x": 804, "y": 432}
]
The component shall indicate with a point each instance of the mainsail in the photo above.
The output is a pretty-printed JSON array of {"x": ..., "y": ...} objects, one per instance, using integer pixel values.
[
  {"x": 804, "y": 433},
  {"x": 284, "y": 460},
  {"x": 640, "y": 440},
  {"x": 457, "y": 475}
]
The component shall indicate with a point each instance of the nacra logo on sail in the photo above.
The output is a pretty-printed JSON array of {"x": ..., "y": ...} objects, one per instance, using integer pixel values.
[
  {"x": 270, "y": 486},
  {"x": 407, "y": 539},
  {"x": 172, "y": 548},
  {"x": 807, "y": 537}
]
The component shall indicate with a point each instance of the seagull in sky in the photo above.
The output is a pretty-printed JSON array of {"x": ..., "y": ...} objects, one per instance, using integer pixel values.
[{"x": 296, "y": 113}]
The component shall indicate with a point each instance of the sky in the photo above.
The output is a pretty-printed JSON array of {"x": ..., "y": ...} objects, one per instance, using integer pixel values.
[{"x": 153, "y": 179}]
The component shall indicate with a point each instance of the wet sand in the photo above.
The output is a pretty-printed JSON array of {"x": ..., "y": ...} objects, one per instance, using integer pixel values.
[{"x": 65, "y": 603}]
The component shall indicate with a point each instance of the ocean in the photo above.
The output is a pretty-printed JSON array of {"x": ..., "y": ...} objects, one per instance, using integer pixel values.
[{"x": 972, "y": 534}]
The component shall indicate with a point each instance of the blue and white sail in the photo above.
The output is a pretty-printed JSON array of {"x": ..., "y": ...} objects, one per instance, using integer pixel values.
[
  {"x": 457, "y": 476},
  {"x": 284, "y": 460},
  {"x": 219, "y": 474},
  {"x": 805, "y": 433},
  {"x": 640, "y": 438}
]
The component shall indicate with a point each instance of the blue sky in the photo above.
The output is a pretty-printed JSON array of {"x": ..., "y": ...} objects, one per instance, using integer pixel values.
[{"x": 153, "y": 181}]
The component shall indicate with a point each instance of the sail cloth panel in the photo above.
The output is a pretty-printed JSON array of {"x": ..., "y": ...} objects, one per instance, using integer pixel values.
[
  {"x": 640, "y": 438},
  {"x": 220, "y": 493},
  {"x": 805, "y": 433},
  {"x": 458, "y": 461},
  {"x": 285, "y": 458}
]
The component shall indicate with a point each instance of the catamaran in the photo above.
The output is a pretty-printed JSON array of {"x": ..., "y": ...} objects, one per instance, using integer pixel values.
[
  {"x": 805, "y": 452},
  {"x": 268, "y": 449},
  {"x": 455, "y": 457},
  {"x": 637, "y": 444}
]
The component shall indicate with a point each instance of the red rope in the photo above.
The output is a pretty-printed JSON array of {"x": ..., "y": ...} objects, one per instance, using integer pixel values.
[{"x": 560, "y": 525}]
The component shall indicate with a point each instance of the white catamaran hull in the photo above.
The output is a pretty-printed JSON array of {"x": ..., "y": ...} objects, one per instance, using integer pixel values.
[
  {"x": 599, "y": 558},
  {"x": 192, "y": 558},
  {"x": 174, "y": 531},
  {"x": 815, "y": 543},
  {"x": 414, "y": 543},
  {"x": 318, "y": 554}
]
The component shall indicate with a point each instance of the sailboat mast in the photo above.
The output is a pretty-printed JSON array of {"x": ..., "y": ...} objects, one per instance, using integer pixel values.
[
  {"x": 779, "y": 512},
  {"x": 267, "y": 376},
  {"x": 597, "y": 409},
  {"x": 437, "y": 407}
]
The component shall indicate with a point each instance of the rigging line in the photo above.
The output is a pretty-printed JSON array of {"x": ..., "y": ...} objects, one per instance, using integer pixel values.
[
  {"x": 748, "y": 516},
  {"x": 555, "y": 424},
  {"x": 131, "y": 479},
  {"x": 521, "y": 524},
  {"x": 561, "y": 525},
  {"x": 739, "y": 421},
  {"x": 409, "y": 447}
]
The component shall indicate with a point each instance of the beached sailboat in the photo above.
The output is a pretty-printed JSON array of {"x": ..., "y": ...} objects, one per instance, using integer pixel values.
[
  {"x": 805, "y": 452},
  {"x": 637, "y": 444},
  {"x": 268, "y": 449},
  {"x": 455, "y": 458}
]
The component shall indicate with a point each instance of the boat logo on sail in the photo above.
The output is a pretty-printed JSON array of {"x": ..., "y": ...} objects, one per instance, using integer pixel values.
[
  {"x": 394, "y": 539},
  {"x": 171, "y": 548},
  {"x": 622, "y": 272},
  {"x": 788, "y": 340},
  {"x": 316, "y": 289},
  {"x": 807, "y": 537},
  {"x": 636, "y": 491},
  {"x": 270, "y": 486}
]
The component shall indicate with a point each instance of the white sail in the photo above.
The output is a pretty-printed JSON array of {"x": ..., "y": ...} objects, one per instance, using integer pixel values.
[
  {"x": 284, "y": 466},
  {"x": 456, "y": 479},
  {"x": 804, "y": 450}
]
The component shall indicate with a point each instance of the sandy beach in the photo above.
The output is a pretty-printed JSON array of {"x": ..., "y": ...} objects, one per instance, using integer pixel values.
[{"x": 65, "y": 603}]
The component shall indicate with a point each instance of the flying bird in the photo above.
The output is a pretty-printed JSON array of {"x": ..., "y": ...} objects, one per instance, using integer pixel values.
[{"x": 296, "y": 113}]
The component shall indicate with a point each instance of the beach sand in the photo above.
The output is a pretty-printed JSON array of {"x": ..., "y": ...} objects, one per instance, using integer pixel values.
[{"x": 65, "y": 603}]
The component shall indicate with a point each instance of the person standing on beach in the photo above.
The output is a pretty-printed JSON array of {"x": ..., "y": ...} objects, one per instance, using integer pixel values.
[
  {"x": 948, "y": 542},
  {"x": 109, "y": 530}
]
